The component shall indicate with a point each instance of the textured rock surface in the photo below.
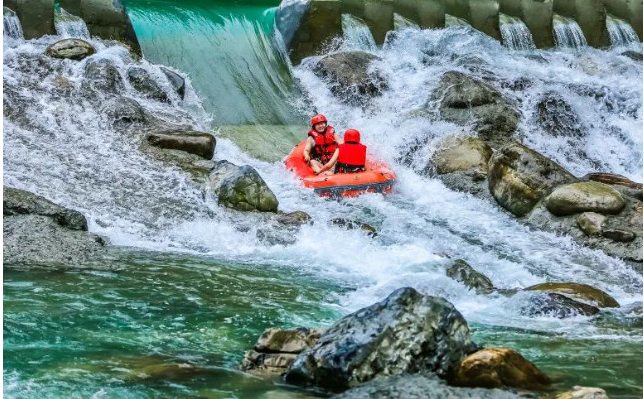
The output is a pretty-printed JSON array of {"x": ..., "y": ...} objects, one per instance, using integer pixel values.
[
  {"x": 73, "y": 49},
  {"x": 464, "y": 273},
  {"x": 465, "y": 100},
  {"x": 276, "y": 349},
  {"x": 241, "y": 188},
  {"x": 583, "y": 393},
  {"x": 142, "y": 82},
  {"x": 551, "y": 304},
  {"x": 353, "y": 225},
  {"x": 177, "y": 82},
  {"x": 590, "y": 223},
  {"x": 499, "y": 367},
  {"x": 350, "y": 74},
  {"x": 556, "y": 117},
  {"x": 197, "y": 143},
  {"x": 461, "y": 154},
  {"x": 420, "y": 386},
  {"x": 295, "y": 218},
  {"x": 580, "y": 292},
  {"x": 588, "y": 196},
  {"x": 406, "y": 332},
  {"x": 519, "y": 177},
  {"x": 37, "y": 232},
  {"x": 103, "y": 76}
]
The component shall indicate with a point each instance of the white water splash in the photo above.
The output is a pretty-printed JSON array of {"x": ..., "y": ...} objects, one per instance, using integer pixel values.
[
  {"x": 357, "y": 35},
  {"x": 70, "y": 26},
  {"x": 515, "y": 33},
  {"x": 568, "y": 33},
  {"x": 621, "y": 33},
  {"x": 11, "y": 25}
]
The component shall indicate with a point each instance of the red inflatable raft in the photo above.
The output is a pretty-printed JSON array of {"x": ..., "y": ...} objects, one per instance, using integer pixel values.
[{"x": 377, "y": 177}]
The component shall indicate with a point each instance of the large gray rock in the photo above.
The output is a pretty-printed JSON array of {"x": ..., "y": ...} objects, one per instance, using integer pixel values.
[
  {"x": 467, "y": 101},
  {"x": 350, "y": 77},
  {"x": 142, "y": 82},
  {"x": 241, "y": 188},
  {"x": 103, "y": 76},
  {"x": 37, "y": 232},
  {"x": 588, "y": 196},
  {"x": 519, "y": 177},
  {"x": 73, "y": 49},
  {"x": 198, "y": 143},
  {"x": 124, "y": 111},
  {"x": 406, "y": 332},
  {"x": 556, "y": 117},
  {"x": 420, "y": 386}
]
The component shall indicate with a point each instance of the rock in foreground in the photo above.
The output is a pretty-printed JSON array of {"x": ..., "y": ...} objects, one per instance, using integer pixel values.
[
  {"x": 587, "y": 196},
  {"x": 276, "y": 349},
  {"x": 405, "y": 333},
  {"x": 420, "y": 386},
  {"x": 73, "y": 49},
  {"x": 198, "y": 143},
  {"x": 38, "y": 232},
  {"x": 499, "y": 367},
  {"x": 241, "y": 188}
]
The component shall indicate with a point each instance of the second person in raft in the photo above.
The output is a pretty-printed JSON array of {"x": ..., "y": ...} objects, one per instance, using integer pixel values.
[{"x": 324, "y": 151}]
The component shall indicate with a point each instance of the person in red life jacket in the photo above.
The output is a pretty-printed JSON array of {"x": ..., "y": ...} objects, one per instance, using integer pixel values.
[
  {"x": 351, "y": 155},
  {"x": 321, "y": 146}
]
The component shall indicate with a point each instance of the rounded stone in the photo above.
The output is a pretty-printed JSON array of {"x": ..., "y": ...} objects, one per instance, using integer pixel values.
[
  {"x": 461, "y": 153},
  {"x": 586, "y": 196},
  {"x": 582, "y": 292},
  {"x": 72, "y": 49}
]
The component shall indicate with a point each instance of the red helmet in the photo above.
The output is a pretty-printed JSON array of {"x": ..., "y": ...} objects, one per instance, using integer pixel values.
[
  {"x": 319, "y": 118},
  {"x": 352, "y": 136}
]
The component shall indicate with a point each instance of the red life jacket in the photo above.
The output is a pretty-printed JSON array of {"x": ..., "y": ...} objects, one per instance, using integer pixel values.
[
  {"x": 352, "y": 158},
  {"x": 325, "y": 144}
]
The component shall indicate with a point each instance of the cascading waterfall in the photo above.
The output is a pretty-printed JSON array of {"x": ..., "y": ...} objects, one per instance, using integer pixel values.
[
  {"x": 66, "y": 148},
  {"x": 451, "y": 20},
  {"x": 515, "y": 33},
  {"x": 621, "y": 33},
  {"x": 11, "y": 24},
  {"x": 356, "y": 34},
  {"x": 567, "y": 32},
  {"x": 401, "y": 22},
  {"x": 68, "y": 25}
]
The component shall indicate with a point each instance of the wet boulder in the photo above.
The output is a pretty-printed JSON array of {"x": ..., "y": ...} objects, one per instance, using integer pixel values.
[
  {"x": 406, "y": 332},
  {"x": 580, "y": 292},
  {"x": 552, "y": 304},
  {"x": 145, "y": 84},
  {"x": 462, "y": 272},
  {"x": 519, "y": 177},
  {"x": 72, "y": 49},
  {"x": 296, "y": 218},
  {"x": 38, "y": 232},
  {"x": 241, "y": 188},
  {"x": 590, "y": 223},
  {"x": 351, "y": 76},
  {"x": 354, "y": 225},
  {"x": 583, "y": 393},
  {"x": 197, "y": 143},
  {"x": 467, "y": 101},
  {"x": 624, "y": 185},
  {"x": 102, "y": 75},
  {"x": 499, "y": 367},
  {"x": 124, "y": 111},
  {"x": 177, "y": 82},
  {"x": 276, "y": 349},
  {"x": 581, "y": 197},
  {"x": 420, "y": 386},
  {"x": 461, "y": 164},
  {"x": 556, "y": 117}
]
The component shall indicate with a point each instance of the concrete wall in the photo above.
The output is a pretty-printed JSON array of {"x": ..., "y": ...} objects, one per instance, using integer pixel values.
[
  {"x": 36, "y": 16},
  {"x": 591, "y": 17},
  {"x": 483, "y": 15},
  {"x": 377, "y": 14},
  {"x": 108, "y": 20},
  {"x": 537, "y": 15},
  {"x": 426, "y": 13},
  {"x": 628, "y": 10},
  {"x": 71, "y": 6}
]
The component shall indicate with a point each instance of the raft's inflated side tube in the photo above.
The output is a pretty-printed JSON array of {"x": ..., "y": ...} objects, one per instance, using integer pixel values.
[{"x": 377, "y": 177}]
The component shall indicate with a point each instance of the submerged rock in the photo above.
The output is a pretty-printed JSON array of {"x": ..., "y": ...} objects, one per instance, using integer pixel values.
[
  {"x": 102, "y": 75},
  {"x": 197, "y": 143},
  {"x": 38, "y": 232},
  {"x": 499, "y": 367},
  {"x": 241, "y": 188},
  {"x": 577, "y": 291},
  {"x": 142, "y": 82},
  {"x": 462, "y": 272},
  {"x": 420, "y": 386},
  {"x": 406, "y": 332},
  {"x": 520, "y": 177},
  {"x": 556, "y": 116},
  {"x": 583, "y": 393},
  {"x": 295, "y": 218},
  {"x": 465, "y": 100},
  {"x": 350, "y": 76},
  {"x": 586, "y": 196},
  {"x": 124, "y": 111},
  {"x": 177, "y": 82},
  {"x": 73, "y": 49},
  {"x": 353, "y": 225},
  {"x": 552, "y": 304},
  {"x": 276, "y": 349}
]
